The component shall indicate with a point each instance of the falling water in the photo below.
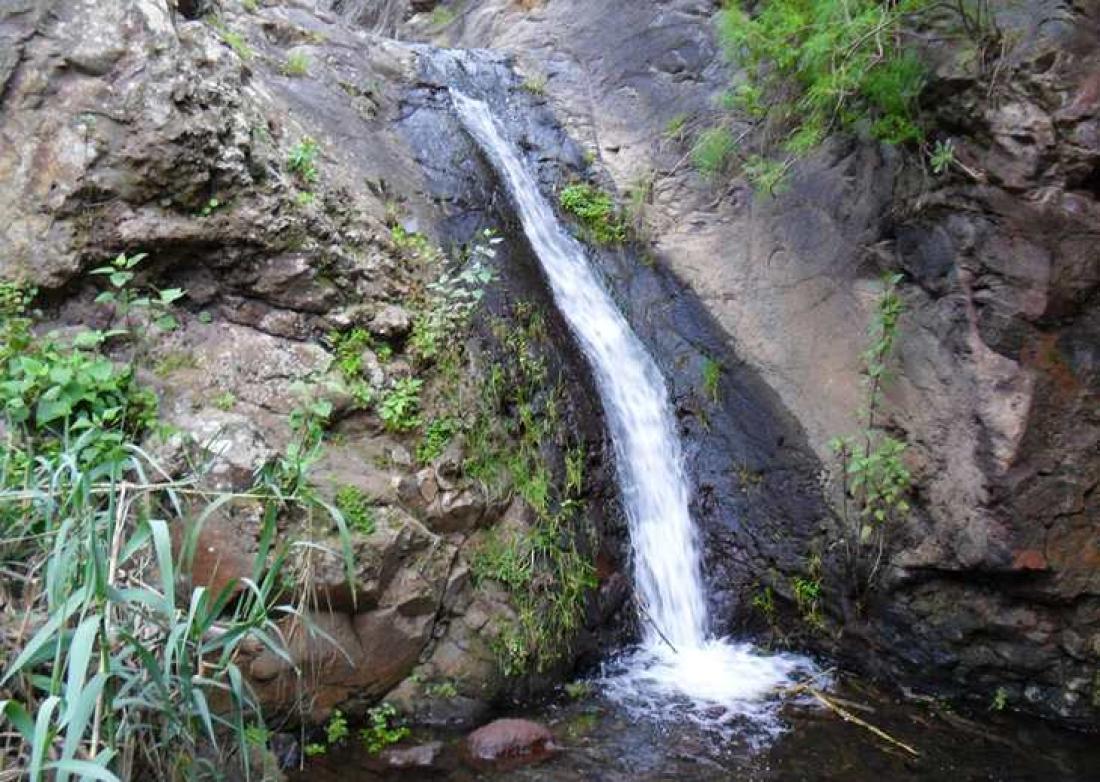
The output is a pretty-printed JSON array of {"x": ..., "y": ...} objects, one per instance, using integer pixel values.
[{"x": 677, "y": 660}]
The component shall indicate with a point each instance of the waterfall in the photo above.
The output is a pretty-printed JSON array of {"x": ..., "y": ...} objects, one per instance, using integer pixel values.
[{"x": 676, "y": 657}]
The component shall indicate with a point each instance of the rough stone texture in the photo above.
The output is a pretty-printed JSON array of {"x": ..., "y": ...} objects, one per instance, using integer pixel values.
[
  {"x": 128, "y": 128},
  {"x": 994, "y": 580},
  {"x": 122, "y": 121}
]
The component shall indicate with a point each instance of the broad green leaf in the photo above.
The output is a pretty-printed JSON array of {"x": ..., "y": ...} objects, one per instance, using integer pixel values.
[
  {"x": 85, "y": 769},
  {"x": 16, "y": 713},
  {"x": 50, "y": 410},
  {"x": 40, "y": 741}
]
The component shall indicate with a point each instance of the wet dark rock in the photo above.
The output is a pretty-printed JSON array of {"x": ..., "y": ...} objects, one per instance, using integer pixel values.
[{"x": 995, "y": 380}]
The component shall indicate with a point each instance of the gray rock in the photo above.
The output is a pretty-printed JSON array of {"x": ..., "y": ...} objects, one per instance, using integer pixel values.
[{"x": 391, "y": 321}]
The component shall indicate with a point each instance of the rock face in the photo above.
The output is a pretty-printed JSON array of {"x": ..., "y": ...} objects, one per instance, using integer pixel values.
[
  {"x": 993, "y": 581},
  {"x": 130, "y": 127}
]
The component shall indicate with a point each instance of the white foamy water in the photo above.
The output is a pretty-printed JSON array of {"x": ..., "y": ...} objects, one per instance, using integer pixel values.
[{"x": 677, "y": 668}]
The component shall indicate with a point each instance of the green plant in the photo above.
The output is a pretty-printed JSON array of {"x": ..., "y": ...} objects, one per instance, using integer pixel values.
[
  {"x": 256, "y": 735},
  {"x": 873, "y": 475},
  {"x": 122, "y": 675},
  {"x": 676, "y": 128},
  {"x": 943, "y": 155},
  {"x": 173, "y": 362},
  {"x": 302, "y": 161},
  {"x": 574, "y": 471},
  {"x": 315, "y": 749},
  {"x": 596, "y": 212},
  {"x": 543, "y": 567},
  {"x": 765, "y": 175},
  {"x": 336, "y": 729},
  {"x": 225, "y": 401},
  {"x": 437, "y": 434},
  {"x": 305, "y": 198},
  {"x": 297, "y": 64},
  {"x": 1000, "y": 700},
  {"x": 578, "y": 690},
  {"x": 441, "y": 16},
  {"x": 748, "y": 99},
  {"x": 53, "y": 390},
  {"x": 349, "y": 347},
  {"x": 356, "y": 509},
  {"x": 712, "y": 376},
  {"x": 414, "y": 245},
  {"x": 453, "y": 298},
  {"x": 536, "y": 85},
  {"x": 127, "y": 300},
  {"x": 764, "y": 602},
  {"x": 250, "y": 5},
  {"x": 117, "y": 674},
  {"x": 210, "y": 207},
  {"x": 382, "y": 729},
  {"x": 443, "y": 689},
  {"x": 818, "y": 65},
  {"x": 232, "y": 39},
  {"x": 713, "y": 151},
  {"x": 806, "y": 594},
  {"x": 400, "y": 406}
]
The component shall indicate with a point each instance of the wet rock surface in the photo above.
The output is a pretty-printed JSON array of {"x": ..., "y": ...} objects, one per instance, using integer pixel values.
[{"x": 993, "y": 578}]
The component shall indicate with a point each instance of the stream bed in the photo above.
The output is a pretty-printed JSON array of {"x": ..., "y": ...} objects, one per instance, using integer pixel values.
[{"x": 602, "y": 742}]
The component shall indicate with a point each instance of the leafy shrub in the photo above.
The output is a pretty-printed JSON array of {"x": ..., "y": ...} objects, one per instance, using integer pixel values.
[
  {"x": 54, "y": 389},
  {"x": 437, "y": 435},
  {"x": 873, "y": 474},
  {"x": 453, "y": 298},
  {"x": 336, "y": 730},
  {"x": 122, "y": 675},
  {"x": 356, "y": 508},
  {"x": 349, "y": 347},
  {"x": 596, "y": 212},
  {"x": 415, "y": 245},
  {"x": 302, "y": 160},
  {"x": 943, "y": 156},
  {"x": 400, "y": 406},
  {"x": 127, "y": 300},
  {"x": 382, "y": 729},
  {"x": 821, "y": 64}
]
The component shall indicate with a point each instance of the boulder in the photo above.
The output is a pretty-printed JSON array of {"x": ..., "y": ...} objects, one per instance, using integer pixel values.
[{"x": 508, "y": 743}]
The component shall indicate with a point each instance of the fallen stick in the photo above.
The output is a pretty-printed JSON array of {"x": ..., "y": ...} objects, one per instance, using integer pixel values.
[
  {"x": 645, "y": 615},
  {"x": 847, "y": 716}
]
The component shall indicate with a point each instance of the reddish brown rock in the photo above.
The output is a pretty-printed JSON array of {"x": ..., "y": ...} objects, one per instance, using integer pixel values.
[{"x": 508, "y": 743}]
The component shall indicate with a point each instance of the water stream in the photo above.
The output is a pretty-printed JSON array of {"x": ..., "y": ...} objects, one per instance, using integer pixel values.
[{"x": 679, "y": 669}]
